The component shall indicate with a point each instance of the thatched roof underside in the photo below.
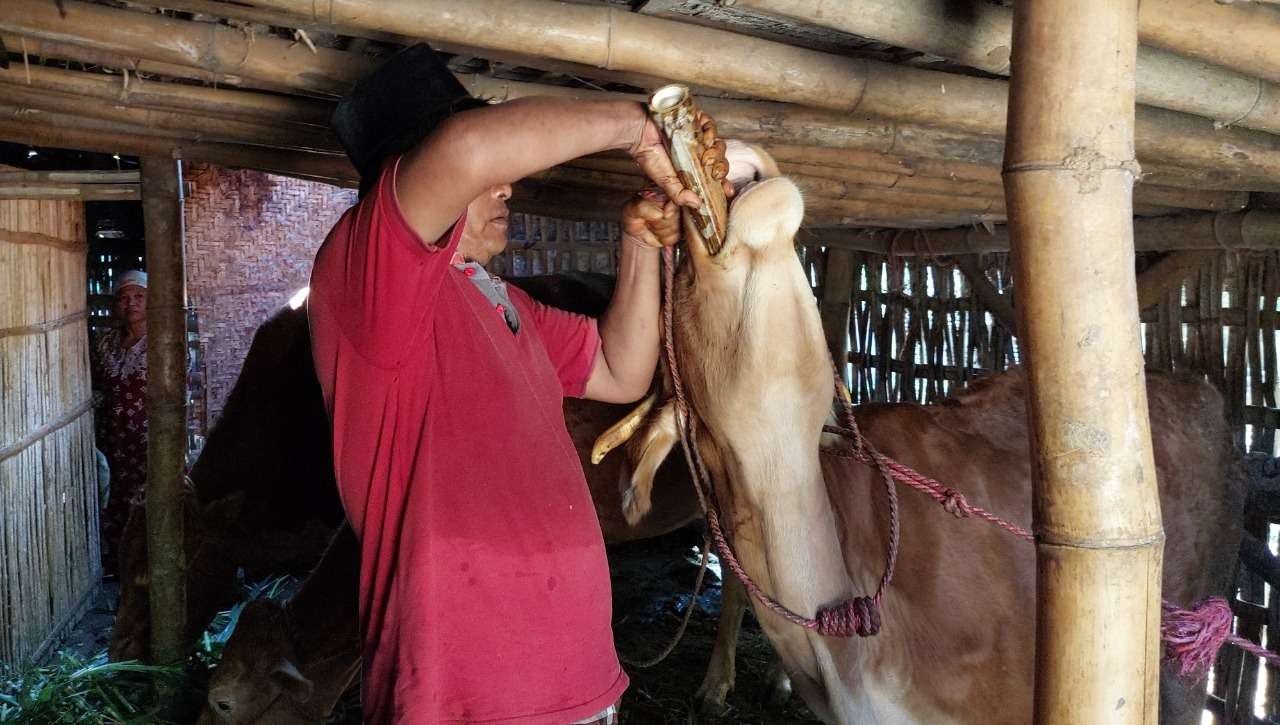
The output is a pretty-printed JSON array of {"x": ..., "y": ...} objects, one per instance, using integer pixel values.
[{"x": 889, "y": 114}]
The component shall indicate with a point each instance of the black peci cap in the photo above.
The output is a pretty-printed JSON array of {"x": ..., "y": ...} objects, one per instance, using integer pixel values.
[{"x": 392, "y": 110}]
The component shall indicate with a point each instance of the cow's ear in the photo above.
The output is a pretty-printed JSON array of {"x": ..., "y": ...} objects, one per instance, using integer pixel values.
[
  {"x": 224, "y": 511},
  {"x": 648, "y": 450},
  {"x": 291, "y": 681}
]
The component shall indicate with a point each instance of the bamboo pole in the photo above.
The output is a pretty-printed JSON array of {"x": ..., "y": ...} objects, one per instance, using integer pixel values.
[
  {"x": 979, "y": 37},
  {"x": 605, "y": 37},
  {"x": 166, "y": 404},
  {"x": 1069, "y": 174},
  {"x": 1240, "y": 36},
  {"x": 70, "y": 177},
  {"x": 215, "y": 48},
  {"x": 136, "y": 92}
]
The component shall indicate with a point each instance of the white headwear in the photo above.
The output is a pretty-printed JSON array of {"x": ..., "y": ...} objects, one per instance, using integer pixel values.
[{"x": 134, "y": 277}]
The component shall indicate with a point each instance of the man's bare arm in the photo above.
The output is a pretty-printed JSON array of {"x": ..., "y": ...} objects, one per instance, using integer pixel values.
[{"x": 478, "y": 149}]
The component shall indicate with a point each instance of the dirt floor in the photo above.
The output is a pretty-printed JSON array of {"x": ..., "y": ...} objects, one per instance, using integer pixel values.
[{"x": 652, "y": 585}]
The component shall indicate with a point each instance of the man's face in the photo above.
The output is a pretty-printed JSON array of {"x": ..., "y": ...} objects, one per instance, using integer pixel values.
[
  {"x": 485, "y": 232},
  {"x": 131, "y": 304}
]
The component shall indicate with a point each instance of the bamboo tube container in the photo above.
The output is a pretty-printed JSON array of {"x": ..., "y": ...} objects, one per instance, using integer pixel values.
[
  {"x": 1069, "y": 174},
  {"x": 166, "y": 405},
  {"x": 980, "y": 38},
  {"x": 673, "y": 111},
  {"x": 48, "y": 476}
]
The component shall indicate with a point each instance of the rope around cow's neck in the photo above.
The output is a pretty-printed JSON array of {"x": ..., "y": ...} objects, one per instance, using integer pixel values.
[{"x": 1191, "y": 636}]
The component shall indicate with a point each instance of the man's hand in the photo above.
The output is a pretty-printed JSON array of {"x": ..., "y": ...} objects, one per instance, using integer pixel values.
[
  {"x": 651, "y": 220},
  {"x": 652, "y": 158}
]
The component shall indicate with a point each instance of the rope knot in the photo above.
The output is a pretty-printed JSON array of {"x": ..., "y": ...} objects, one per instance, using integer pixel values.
[
  {"x": 1194, "y": 636},
  {"x": 860, "y": 615},
  {"x": 954, "y": 503}
]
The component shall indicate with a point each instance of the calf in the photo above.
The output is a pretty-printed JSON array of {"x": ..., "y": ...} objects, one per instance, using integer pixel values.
[{"x": 958, "y": 632}]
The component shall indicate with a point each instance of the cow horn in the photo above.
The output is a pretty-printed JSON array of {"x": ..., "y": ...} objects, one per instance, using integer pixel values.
[{"x": 622, "y": 431}]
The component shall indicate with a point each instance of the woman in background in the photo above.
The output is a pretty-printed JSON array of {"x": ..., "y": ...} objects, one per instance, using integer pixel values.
[{"x": 120, "y": 376}]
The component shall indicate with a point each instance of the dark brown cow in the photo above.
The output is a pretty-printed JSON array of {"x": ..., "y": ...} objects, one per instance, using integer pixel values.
[{"x": 958, "y": 637}]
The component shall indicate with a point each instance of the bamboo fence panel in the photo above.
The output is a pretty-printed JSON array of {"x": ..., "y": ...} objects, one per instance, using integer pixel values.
[{"x": 49, "y": 561}]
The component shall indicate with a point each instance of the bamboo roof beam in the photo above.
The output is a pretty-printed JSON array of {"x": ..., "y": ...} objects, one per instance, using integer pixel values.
[
  {"x": 1247, "y": 230},
  {"x": 136, "y": 92},
  {"x": 980, "y": 38},
  {"x": 215, "y": 48},
  {"x": 611, "y": 38},
  {"x": 1155, "y": 281}
]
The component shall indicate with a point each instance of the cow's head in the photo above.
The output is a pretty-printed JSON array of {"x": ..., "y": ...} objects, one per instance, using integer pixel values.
[
  {"x": 749, "y": 346},
  {"x": 259, "y": 667},
  {"x": 210, "y": 573}
]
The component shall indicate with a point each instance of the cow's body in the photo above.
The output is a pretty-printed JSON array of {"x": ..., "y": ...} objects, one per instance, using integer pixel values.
[{"x": 957, "y": 642}]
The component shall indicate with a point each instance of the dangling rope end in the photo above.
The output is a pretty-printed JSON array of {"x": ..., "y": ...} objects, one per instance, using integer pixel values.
[{"x": 1194, "y": 636}]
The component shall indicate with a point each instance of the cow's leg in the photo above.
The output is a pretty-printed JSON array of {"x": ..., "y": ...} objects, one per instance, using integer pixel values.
[{"x": 718, "y": 681}]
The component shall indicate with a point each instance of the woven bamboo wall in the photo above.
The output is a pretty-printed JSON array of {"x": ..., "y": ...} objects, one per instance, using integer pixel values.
[
  {"x": 49, "y": 562},
  {"x": 251, "y": 239}
]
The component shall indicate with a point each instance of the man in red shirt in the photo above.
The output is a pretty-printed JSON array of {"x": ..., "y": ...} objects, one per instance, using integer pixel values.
[{"x": 484, "y": 592}]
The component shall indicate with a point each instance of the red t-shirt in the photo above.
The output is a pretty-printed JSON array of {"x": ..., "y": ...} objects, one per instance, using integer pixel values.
[{"x": 484, "y": 589}]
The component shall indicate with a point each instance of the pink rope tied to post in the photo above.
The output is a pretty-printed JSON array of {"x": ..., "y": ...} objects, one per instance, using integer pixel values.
[{"x": 1194, "y": 636}]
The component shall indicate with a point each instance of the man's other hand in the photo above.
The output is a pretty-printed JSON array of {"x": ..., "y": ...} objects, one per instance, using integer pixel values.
[{"x": 651, "y": 220}]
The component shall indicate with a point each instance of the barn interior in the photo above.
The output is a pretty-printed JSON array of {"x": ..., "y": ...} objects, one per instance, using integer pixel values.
[{"x": 889, "y": 115}]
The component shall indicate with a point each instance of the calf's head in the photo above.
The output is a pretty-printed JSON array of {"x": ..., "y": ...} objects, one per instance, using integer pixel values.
[{"x": 259, "y": 667}]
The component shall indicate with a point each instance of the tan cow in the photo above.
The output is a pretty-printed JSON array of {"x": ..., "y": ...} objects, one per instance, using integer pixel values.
[{"x": 957, "y": 641}]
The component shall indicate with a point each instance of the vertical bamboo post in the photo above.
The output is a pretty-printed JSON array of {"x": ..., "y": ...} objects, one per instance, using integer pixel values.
[
  {"x": 166, "y": 404},
  {"x": 1069, "y": 174}
]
